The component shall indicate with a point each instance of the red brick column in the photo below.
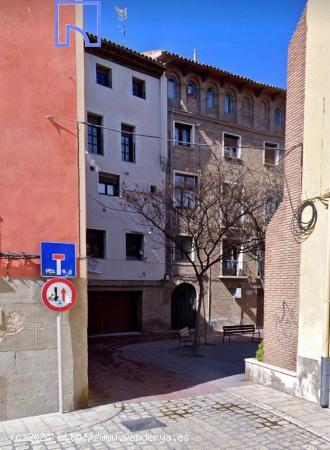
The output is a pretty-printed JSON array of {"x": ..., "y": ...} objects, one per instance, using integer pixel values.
[{"x": 282, "y": 251}]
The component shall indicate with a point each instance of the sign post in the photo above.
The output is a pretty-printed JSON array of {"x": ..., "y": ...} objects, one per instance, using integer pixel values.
[
  {"x": 60, "y": 364},
  {"x": 59, "y": 295}
]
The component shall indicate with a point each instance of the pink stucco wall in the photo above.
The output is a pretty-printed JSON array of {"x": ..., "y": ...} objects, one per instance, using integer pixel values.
[{"x": 38, "y": 160}]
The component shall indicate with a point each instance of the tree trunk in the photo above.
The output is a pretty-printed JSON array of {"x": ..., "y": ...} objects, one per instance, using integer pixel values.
[{"x": 198, "y": 316}]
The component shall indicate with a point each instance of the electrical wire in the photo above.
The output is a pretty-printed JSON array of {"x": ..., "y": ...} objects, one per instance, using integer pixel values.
[{"x": 150, "y": 136}]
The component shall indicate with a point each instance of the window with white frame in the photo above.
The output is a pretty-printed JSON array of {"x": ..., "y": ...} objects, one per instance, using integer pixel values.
[
  {"x": 185, "y": 190},
  {"x": 232, "y": 262},
  {"x": 183, "y": 134},
  {"x": 231, "y": 146},
  {"x": 271, "y": 154},
  {"x": 183, "y": 248}
]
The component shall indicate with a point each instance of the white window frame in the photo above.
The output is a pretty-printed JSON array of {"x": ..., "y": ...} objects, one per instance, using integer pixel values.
[
  {"x": 182, "y": 172},
  {"x": 240, "y": 263},
  {"x": 192, "y": 137},
  {"x": 239, "y": 148},
  {"x": 193, "y": 252},
  {"x": 277, "y": 153}
]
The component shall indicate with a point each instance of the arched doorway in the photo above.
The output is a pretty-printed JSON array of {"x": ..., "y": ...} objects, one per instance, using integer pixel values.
[{"x": 183, "y": 306}]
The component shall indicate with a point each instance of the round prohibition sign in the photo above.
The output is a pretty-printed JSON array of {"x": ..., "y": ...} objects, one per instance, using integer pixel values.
[{"x": 59, "y": 294}]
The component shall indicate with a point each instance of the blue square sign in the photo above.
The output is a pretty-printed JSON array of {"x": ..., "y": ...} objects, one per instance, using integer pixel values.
[{"x": 58, "y": 259}]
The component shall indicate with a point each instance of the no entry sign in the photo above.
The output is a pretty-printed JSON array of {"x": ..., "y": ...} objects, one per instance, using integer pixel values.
[{"x": 59, "y": 294}]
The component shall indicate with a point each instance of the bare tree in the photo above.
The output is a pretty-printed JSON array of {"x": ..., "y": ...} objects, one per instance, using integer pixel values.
[{"x": 227, "y": 201}]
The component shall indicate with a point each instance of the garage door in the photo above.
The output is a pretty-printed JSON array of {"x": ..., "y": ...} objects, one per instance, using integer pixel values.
[{"x": 114, "y": 312}]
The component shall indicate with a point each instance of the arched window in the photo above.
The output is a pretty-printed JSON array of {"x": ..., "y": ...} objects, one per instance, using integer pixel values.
[
  {"x": 172, "y": 88},
  {"x": 279, "y": 117},
  {"x": 192, "y": 89},
  {"x": 211, "y": 98},
  {"x": 229, "y": 104},
  {"x": 247, "y": 108}
]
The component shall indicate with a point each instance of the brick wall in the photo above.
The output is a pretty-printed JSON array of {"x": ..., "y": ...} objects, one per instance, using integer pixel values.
[{"x": 282, "y": 251}]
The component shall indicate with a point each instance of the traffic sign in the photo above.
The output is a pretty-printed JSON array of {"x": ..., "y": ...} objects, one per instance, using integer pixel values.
[
  {"x": 58, "y": 259},
  {"x": 59, "y": 294}
]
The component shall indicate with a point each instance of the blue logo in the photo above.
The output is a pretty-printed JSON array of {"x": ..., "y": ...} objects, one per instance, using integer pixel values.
[
  {"x": 58, "y": 260},
  {"x": 69, "y": 27}
]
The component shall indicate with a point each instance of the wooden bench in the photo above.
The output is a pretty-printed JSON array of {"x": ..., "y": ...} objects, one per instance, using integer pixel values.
[
  {"x": 239, "y": 329},
  {"x": 186, "y": 336}
]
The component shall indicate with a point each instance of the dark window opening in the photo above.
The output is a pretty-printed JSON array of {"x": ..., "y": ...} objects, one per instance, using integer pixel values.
[
  {"x": 94, "y": 134},
  {"x": 134, "y": 246},
  {"x": 185, "y": 190},
  {"x": 127, "y": 143},
  {"x": 271, "y": 154},
  {"x": 231, "y": 146},
  {"x": 183, "y": 248},
  {"x": 108, "y": 184},
  {"x": 139, "y": 87},
  {"x": 96, "y": 243},
  {"x": 103, "y": 76},
  {"x": 183, "y": 134}
]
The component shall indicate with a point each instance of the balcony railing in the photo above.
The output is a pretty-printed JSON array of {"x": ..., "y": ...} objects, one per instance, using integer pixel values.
[{"x": 232, "y": 268}]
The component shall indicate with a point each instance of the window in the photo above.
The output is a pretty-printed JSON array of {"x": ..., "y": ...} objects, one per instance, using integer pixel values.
[
  {"x": 185, "y": 186},
  {"x": 210, "y": 98},
  {"x": 232, "y": 264},
  {"x": 172, "y": 88},
  {"x": 127, "y": 143},
  {"x": 231, "y": 146},
  {"x": 94, "y": 134},
  {"x": 134, "y": 246},
  {"x": 139, "y": 87},
  {"x": 279, "y": 117},
  {"x": 247, "y": 108},
  {"x": 191, "y": 89},
  {"x": 108, "y": 184},
  {"x": 153, "y": 189},
  {"x": 229, "y": 104},
  {"x": 103, "y": 76},
  {"x": 96, "y": 243},
  {"x": 271, "y": 154},
  {"x": 265, "y": 112},
  {"x": 183, "y": 134},
  {"x": 183, "y": 246}
]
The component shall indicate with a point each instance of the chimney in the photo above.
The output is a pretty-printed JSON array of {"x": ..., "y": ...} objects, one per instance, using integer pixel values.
[{"x": 195, "y": 54}]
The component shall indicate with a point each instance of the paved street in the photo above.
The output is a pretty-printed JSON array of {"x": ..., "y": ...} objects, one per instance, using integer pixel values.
[
  {"x": 245, "y": 417},
  {"x": 119, "y": 368}
]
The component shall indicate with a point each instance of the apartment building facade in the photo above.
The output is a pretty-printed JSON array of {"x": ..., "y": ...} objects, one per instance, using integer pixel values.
[
  {"x": 296, "y": 342},
  {"x": 42, "y": 199},
  {"x": 244, "y": 121},
  {"x": 126, "y": 132}
]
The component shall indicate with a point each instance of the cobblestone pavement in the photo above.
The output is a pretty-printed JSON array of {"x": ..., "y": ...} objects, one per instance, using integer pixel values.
[{"x": 245, "y": 417}]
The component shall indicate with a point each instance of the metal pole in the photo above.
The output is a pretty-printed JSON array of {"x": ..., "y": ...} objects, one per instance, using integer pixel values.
[{"x": 60, "y": 364}]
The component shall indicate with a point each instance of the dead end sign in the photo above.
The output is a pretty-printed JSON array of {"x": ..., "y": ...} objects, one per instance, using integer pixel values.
[{"x": 59, "y": 294}]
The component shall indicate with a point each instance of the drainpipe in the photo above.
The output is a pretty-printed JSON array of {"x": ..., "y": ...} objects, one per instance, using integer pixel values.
[{"x": 325, "y": 360}]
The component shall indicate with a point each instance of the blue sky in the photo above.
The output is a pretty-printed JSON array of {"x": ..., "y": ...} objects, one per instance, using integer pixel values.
[{"x": 248, "y": 37}]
